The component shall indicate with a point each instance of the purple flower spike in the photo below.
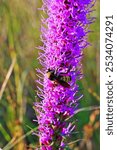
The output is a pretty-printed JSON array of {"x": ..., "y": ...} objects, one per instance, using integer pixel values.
[{"x": 64, "y": 37}]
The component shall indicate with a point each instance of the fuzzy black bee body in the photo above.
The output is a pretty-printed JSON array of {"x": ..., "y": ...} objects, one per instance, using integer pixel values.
[
  {"x": 61, "y": 78},
  {"x": 65, "y": 78}
]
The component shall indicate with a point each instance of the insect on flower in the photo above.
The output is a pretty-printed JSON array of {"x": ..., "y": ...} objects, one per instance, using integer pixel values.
[{"x": 59, "y": 78}]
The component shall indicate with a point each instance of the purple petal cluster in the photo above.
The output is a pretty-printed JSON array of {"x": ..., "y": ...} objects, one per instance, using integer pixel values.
[{"x": 64, "y": 35}]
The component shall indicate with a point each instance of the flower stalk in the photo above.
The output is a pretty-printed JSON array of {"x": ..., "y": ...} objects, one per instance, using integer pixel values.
[{"x": 64, "y": 35}]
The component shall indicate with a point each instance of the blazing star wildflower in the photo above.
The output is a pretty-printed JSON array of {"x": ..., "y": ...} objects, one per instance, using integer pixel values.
[{"x": 64, "y": 35}]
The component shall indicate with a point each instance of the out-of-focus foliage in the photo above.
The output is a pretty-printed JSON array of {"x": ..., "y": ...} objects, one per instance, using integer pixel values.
[{"x": 19, "y": 35}]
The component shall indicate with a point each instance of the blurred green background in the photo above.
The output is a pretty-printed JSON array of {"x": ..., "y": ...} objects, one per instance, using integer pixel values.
[{"x": 19, "y": 35}]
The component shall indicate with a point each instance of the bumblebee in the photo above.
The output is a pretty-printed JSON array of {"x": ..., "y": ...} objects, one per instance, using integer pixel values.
[{"x": 57, "y": 78}]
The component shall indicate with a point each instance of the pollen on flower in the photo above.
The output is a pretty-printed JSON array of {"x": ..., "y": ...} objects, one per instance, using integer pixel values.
[{"x": 64, "y": 38}]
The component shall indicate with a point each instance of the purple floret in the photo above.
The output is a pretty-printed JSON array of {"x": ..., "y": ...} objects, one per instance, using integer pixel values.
[{"x": 64, "y": 36}]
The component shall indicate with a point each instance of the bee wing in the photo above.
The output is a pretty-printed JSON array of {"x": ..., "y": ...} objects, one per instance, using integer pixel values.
[{"x": 64, "y": 84}]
